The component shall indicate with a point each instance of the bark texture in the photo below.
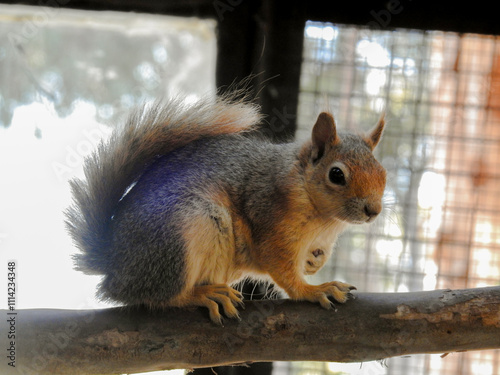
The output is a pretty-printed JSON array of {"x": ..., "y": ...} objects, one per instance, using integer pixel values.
[{"x": 372, "y": 326}]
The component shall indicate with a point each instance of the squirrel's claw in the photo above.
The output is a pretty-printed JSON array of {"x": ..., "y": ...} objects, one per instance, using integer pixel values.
[
  {"x": 211, "y": 296},
  {"x": 339, "y": 291}
]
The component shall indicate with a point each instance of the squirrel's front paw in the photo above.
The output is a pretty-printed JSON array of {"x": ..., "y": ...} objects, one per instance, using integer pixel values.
[
  {"x": 315, "y": 260},
  {"x": 340, "y": 292}
]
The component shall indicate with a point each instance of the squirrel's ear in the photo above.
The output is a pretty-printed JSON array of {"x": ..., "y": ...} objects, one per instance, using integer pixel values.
[
  {"x": 324, "y": 134},
  {"x": 374, "y": 137}
]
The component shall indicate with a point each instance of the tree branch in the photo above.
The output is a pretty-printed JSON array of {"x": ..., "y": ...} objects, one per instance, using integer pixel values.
[{"x": 372, "y": 326}]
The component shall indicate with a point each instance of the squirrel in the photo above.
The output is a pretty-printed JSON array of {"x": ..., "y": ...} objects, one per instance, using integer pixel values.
[{"x": 184, "y": 201}]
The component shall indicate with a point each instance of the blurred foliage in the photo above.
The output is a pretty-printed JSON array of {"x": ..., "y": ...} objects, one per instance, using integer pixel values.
[{"x": 113, "y": 61}]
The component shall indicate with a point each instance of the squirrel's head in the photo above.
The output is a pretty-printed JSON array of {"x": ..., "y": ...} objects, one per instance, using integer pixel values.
[{"x": 344, "y": 181}]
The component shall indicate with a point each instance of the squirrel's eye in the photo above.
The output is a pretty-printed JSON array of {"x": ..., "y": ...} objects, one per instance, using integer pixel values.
[{"x": 336, "y": 176}]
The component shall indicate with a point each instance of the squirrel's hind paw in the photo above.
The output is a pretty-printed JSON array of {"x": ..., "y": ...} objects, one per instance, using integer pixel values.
[{"x": 210, "y": 296}]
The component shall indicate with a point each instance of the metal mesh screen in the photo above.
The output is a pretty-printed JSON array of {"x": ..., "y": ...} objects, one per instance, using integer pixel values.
[{"x": 441, "y": 148}]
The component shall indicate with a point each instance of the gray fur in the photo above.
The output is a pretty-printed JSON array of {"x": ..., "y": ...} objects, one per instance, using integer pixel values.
[{"x": 133, "y": 236}]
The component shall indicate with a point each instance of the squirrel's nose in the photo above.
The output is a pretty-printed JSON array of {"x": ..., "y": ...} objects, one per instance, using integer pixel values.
[{"x": 372, "y": 210}]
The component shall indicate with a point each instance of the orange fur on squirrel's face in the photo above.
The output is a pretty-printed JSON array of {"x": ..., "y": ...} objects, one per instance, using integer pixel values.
[{"x": 356, "y": 196}]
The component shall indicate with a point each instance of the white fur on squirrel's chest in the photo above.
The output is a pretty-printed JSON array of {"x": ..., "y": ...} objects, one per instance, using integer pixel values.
[{"x": 319, "y": 236}]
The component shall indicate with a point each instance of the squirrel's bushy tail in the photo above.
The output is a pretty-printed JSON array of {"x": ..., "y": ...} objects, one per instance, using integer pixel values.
[{"x": 117, "y": 163}]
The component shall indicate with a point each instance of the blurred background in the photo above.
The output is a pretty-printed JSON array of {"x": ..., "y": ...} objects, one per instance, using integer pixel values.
[{"x": 67, "y": 76}]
